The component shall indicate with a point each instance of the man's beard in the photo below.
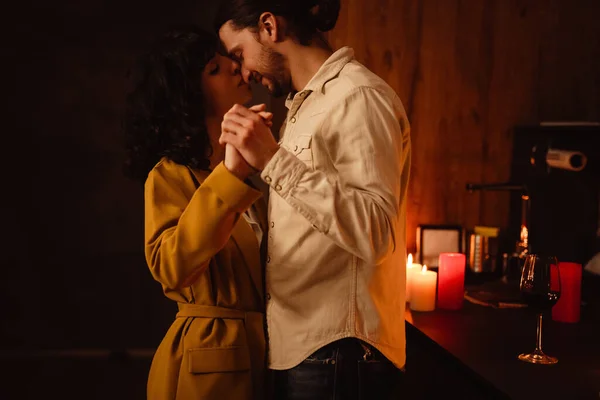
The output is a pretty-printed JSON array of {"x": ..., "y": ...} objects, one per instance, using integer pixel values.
[{"x": 272, "y": 65}]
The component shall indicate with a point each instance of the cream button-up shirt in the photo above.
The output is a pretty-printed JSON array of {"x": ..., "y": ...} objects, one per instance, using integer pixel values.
[{"x": 336, "y": 262}]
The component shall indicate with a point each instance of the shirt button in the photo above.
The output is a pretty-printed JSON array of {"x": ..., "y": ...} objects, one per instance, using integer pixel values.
[
  {"x": 268, "y": 296},
  {"x": 272, "y": 224},
  {"x": 278, "y": 188},
  {"x": 268, "y": 179},
  {"x": 293, "y": 119},
  {"x": 268, "y": 259}
]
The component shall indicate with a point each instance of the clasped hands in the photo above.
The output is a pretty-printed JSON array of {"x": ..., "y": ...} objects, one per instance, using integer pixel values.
[{"x": 249, "y": 143}]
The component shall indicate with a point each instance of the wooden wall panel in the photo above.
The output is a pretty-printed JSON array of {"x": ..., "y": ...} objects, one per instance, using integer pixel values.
[{"x": 468, "y": 71}]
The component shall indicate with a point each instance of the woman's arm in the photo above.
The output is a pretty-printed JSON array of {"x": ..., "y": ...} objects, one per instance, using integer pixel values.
[{"x": 184, "y": 226}]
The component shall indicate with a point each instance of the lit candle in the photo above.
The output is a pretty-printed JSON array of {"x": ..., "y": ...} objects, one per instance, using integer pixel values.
[
  {"x": 422, "y": 297},
  {"x": 411, "y": 269},
  {"x": 451, "y": 285}
]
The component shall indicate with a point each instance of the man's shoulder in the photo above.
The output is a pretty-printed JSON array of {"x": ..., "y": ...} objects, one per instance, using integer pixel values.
[{"x": 355, "y": 77}]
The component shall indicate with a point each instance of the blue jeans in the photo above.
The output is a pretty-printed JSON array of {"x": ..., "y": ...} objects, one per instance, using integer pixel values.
[{"x": 347, "y": 369}]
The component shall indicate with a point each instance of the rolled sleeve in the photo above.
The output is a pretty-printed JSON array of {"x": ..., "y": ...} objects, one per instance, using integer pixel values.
[{"x": 283, "y": 172}]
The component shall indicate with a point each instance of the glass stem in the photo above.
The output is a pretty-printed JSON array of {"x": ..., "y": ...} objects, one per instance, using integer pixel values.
[{"x": 538, "y": 345}]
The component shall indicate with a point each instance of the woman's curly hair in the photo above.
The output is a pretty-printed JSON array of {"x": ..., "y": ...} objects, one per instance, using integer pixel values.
[{"x": 165, "y": 115}]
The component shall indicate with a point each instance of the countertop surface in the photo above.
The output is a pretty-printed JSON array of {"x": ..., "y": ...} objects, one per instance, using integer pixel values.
[{"x": 488, "y": 340}]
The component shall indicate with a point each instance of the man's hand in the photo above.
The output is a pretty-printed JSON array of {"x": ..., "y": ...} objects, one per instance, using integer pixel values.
[
  {"x": 248, "y": 131},
  {"x": 267, "y": 116},
  {"x": 234, "y": 161}
]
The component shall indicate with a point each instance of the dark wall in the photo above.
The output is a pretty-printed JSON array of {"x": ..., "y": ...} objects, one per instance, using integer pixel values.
[{"x": 74, "y": 270}]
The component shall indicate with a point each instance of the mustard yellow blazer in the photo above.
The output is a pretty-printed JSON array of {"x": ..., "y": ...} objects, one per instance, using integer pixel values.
[{"x": 207, "y": 259}]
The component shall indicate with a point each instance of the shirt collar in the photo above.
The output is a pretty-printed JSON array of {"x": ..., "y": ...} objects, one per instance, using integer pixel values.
[{"x": 329, "y": 70}]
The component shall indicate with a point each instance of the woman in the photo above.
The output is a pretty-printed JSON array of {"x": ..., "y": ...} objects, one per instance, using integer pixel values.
[{"x": 203, "y": 221}]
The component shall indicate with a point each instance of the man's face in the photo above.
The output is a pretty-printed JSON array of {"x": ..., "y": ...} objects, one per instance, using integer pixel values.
[{"x": 259, "y": 62}]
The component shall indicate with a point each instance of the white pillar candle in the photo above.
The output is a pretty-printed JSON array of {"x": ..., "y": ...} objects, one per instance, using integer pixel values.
[
  {"x": 423, "y": 288},
  {"x": 411, "y": 269}
]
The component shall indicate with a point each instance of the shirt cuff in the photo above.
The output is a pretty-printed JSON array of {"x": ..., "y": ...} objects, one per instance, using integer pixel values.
[
  {"x": 283, "y": 172},
  {"x": 236, "y": 194}
]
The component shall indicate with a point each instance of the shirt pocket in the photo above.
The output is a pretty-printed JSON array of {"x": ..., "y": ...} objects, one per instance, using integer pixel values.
[{"x": 301, "y": 147}]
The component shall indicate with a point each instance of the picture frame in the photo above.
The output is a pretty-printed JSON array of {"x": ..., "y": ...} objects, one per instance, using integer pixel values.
[{"x": 435, "y": 239}]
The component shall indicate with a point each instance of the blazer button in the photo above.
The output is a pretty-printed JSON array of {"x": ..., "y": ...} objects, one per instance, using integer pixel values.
[
  {"x": 272, "y": 224},
  {"x": 268, "y": 259},
  {"x": 268, "y": 296}
]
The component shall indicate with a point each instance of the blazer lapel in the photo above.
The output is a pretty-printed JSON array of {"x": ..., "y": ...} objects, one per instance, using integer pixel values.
[
  {"x": 261, "y": 210},
  {"x": 245, "y": 238}
]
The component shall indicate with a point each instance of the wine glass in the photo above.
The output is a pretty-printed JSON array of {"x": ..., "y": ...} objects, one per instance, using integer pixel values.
[{"x": 540, "y": 289}]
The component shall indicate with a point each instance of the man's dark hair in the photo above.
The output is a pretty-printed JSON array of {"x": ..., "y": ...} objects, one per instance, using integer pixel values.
[{"x": 305, "y": 17}]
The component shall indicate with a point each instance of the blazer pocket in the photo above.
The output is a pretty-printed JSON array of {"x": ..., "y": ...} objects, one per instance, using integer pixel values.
[
  {"x": 301, "y": 148},
  {"x": 218, "y": 359}
]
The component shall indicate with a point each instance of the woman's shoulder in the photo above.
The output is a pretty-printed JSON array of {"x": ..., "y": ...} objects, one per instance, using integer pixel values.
[
  {"x": 170, "y": 173},
  {"x": 166, "y": 167}
]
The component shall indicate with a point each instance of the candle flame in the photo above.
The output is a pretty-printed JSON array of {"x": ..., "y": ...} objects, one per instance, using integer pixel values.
[
  {"x": 424, "y": 269},
  {"x": 409, "y": 261},
  {"x": 524, "y": 235}
]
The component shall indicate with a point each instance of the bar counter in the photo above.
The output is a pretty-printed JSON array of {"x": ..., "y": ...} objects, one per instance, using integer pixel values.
[{"x": 473, "y": 352}]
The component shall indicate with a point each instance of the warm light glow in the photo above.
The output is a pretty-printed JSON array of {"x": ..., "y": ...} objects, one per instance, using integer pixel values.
[
  {"x": 524, "y": 234},
  {"x": 424, "y": 269},
  {"x": 409, "y": 261}
]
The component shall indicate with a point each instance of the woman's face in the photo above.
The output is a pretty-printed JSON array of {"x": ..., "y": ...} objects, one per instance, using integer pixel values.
[{"x": 223, "y": 86}]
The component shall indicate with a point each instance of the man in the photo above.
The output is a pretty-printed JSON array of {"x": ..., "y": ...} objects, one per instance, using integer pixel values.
[{"x": 335, "y": 272}]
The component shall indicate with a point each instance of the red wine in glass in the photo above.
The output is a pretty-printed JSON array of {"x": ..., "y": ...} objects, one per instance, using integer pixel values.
[
  {"x": 539, "y": 302},
  {"x": 540, "y": 289}
]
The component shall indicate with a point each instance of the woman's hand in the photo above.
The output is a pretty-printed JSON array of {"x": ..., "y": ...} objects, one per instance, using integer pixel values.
[
  {"x": 248, "y": 129},
  {"x": 234, "y": 162}
]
